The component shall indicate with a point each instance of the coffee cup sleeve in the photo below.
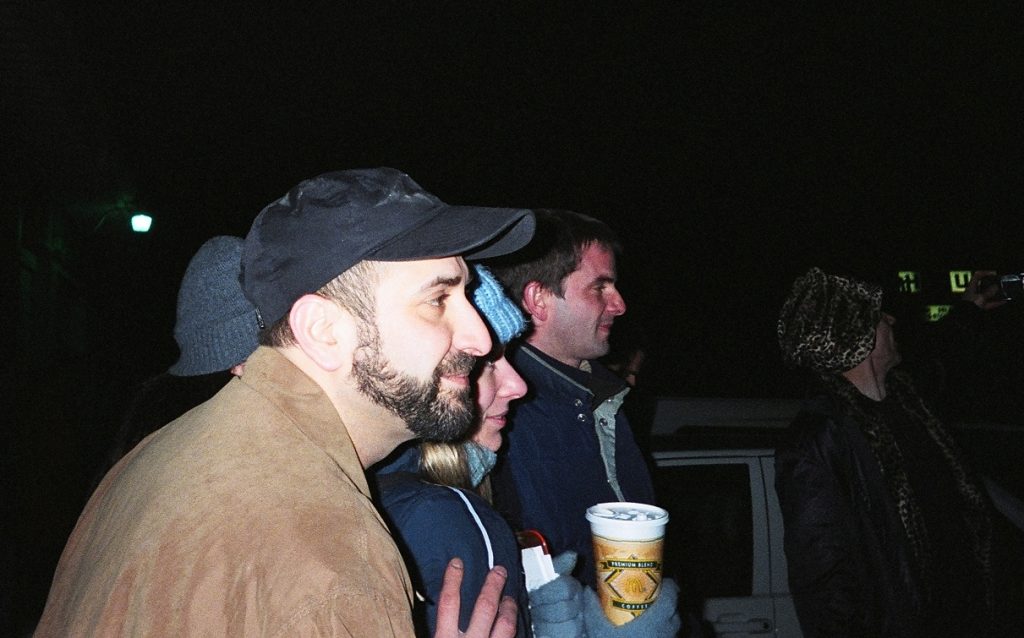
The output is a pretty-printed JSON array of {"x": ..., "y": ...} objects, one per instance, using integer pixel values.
[{"x": 661, "y": 620}]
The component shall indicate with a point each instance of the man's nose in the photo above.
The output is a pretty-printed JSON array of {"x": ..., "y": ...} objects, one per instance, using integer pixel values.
[
  {"x": 616, "y": 304},
  {"x": 470, "y": 335}
]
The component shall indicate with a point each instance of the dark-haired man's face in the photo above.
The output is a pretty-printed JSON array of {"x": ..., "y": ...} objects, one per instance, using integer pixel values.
[
  {"x": 579, "y": 323},
  {"x": 415, "y": 358}
]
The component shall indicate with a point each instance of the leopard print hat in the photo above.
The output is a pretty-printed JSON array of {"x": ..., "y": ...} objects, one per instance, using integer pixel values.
[{"x": 828, "y": 322}]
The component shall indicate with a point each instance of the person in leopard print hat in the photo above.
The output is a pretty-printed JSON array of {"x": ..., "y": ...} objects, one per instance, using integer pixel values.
[{"x": 887, "y": 532}]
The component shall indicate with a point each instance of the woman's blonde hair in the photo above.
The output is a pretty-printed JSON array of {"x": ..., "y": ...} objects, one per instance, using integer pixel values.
[{"x": 448, "y": 464}]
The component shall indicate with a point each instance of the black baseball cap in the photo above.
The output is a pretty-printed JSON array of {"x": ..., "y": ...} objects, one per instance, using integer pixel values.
[{"x": 327, "y": 224}]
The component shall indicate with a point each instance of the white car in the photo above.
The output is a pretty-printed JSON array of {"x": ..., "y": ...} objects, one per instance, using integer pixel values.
[
  {"x": 724, "y": 541},
  {"x": 715, "y": 474}
]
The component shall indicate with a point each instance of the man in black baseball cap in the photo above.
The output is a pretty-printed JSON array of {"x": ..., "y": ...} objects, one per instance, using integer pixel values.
[{"x": 250, "y": 515}]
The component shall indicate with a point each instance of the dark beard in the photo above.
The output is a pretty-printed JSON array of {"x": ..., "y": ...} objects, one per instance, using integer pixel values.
[{"x": 428, "y": 412}]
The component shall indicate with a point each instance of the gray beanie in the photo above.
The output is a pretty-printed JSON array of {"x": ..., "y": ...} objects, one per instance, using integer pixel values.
[{"x": 216, "y": 325}]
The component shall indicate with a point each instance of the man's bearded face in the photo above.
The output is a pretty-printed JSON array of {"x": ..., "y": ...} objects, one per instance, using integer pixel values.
[{"x": 430, "y": 410}]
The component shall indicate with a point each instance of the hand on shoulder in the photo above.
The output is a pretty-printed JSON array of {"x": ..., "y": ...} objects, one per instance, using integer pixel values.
[{"x": 493, "y": 616}]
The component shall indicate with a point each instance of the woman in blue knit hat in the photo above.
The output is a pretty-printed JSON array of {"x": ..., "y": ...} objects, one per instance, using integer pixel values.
[{"x": 434, "y": 494}]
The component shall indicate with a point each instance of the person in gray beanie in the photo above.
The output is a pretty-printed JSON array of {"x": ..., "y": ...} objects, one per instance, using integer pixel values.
[
  {"x": 216, "y": 331},
  {"x": 216, "y": 326}
]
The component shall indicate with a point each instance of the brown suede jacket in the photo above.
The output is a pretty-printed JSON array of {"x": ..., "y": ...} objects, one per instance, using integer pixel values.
[{"x": 248, "y": 516}]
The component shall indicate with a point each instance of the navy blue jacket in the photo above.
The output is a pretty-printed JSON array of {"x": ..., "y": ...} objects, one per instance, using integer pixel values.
[
  {"x": 432, "y": 524},
  {"x": 552, "y": 469}
]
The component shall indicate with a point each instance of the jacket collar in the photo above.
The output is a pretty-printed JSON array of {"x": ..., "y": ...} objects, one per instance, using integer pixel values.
[
  {"x": 600, "y": 383},
  {"x": 299, "y": 398}
]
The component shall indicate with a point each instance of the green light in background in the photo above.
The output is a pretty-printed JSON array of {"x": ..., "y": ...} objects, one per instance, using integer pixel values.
[
  {"x": 141, "y": 222},
  {"x": 910, "y": 281},
  {"x": 936, "y": 312},
  {"x": 958, "y": 280}
]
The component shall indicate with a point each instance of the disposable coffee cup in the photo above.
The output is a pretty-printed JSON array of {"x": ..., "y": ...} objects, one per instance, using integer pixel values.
[{"x": 628, "y": 545}]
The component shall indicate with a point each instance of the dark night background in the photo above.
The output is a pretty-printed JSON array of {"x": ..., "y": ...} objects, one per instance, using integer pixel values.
[{"x": 731, "y": 148}]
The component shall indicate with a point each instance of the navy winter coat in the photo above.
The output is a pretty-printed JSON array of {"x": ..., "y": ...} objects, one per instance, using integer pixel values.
[
  {"x": 551, "y": 469},
  {"x": 433, "y": 524}
]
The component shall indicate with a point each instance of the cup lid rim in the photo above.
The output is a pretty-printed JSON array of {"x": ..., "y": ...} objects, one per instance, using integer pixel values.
[{"x": 660, "y": 514}]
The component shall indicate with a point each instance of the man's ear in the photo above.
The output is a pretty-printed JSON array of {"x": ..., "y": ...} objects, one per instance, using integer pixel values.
[
  {"x": 324, "y": 331},
  {"x": 535, "y": 299}
]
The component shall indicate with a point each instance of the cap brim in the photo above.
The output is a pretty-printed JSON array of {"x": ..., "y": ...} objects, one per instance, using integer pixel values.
[{"x": 470, "y": 231}]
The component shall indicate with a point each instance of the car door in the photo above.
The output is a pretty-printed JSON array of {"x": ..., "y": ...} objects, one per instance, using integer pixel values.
[{"x": 719, "y": 542}]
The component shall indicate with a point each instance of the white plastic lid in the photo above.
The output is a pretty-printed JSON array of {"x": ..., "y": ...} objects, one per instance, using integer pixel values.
[{"x": 627, "y": 521}]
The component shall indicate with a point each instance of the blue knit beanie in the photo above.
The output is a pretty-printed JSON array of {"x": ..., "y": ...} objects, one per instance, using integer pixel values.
[
  {"x": 216, "y": 325},
  {"x": 500, "y": 312}
]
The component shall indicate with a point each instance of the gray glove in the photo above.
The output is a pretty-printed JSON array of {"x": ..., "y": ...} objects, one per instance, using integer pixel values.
[
  {"x": 660, "y": 620},
  {"x": 556, "y": 608}
]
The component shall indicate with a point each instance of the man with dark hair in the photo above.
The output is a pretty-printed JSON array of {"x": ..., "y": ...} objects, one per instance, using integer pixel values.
[
  {"x": 250, "y": 515},
  {"x": 569, "y": 445}
]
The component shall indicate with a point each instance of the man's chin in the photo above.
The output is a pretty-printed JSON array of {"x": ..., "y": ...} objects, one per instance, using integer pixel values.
[
  {"x": 444, "y": 431},
  {"x": 451, "y": 419},
  {"x": 600, "y": 349}
]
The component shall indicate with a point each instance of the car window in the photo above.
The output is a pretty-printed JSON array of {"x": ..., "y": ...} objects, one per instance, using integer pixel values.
[{"x": 709, "y": 540}]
